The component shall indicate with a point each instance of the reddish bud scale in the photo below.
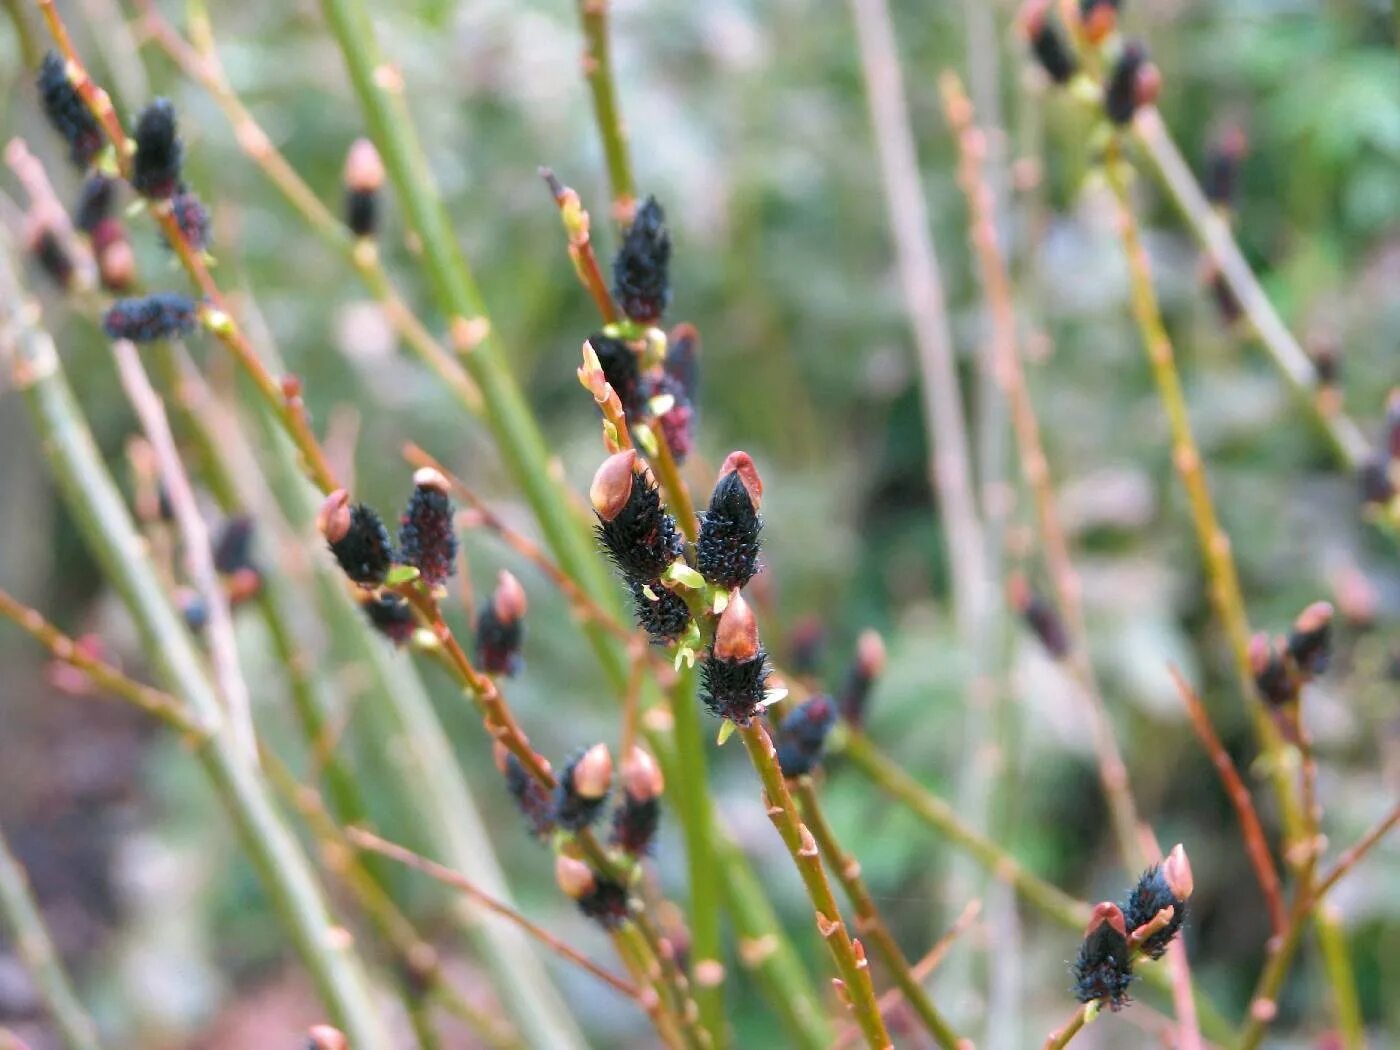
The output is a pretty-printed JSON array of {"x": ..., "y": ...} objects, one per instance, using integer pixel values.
[
  {"x": 155, "y": 169},
  {"x": 664, "y": 618},
  {"x": 391, "y": 616},
  {"x": 1104, "y": 970},
  {"x": 151, "y": 317},
  {"x": 806, "y": 646},
  {"x": 640, "y": 537},
  {"x": 427, "y": 536},
  {"x": 802, "y": 736},
  {"x": 67, "y": 112},
  {"x": 641, "y": 268},
  {"x": 531, "y": 797},
  {"x": 726, "y": 553}
]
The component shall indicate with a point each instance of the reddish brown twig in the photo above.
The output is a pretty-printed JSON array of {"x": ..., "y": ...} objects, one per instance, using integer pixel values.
[
  {"x": 1352, "y": 856},
  {"x": 576, "y": 225},
  {"x": 1255, "y": 843}
]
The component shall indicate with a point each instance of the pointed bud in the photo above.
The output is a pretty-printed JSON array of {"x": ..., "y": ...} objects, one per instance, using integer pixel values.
[
  {"x": 870, "y": 653},
  {"x": 612, "y": 484},
  {"x": 592, "y": 774},
  {"x": 742, "y": 463},
  {"x": 1176, "y": 869},
  {"x": 1099, "y": 19},
  {"x": 574, "y": 877},
  {"x": 736, "y": 634},
  {"x": 333, "y": 517},
  {"x": 364, "y": 171},
  {"x": 726, "y": 553},
  {"x": 1110, "y": 913},
  {"x": 641, "y": 776},
  {"x": 431, "y": 478},
  {"x": 509, "y": 598},
  {"x": 324, "y": 1037}
]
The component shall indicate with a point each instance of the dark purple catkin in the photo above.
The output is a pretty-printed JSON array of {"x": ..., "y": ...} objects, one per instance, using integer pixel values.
[
  {"x": 1310, "y": 641},
  {"x": 155, "y": 168},
  {"x": 1104, "y": 969},
  {"x": 233, "y": 549},
  {"x": 1046, "y": 43},
  {"x": 391, "y": 616},
  {"x": 637, "y": 533},
  {"x": 95, "y": 202},
  {"x": 500, "y": 628},
  {"x": 802, "y": 736},
  {"x": 427, "y": 535},
  {"x": 641, "y": 268},
  {"x": 726, "y": 552},
  {"x": 151, "y": 317},
  {"x": 531, "y": 797},
  {"x": 1132, "y": 82},
  {"x": 192, "y": 218},
  {"x": 621, "y": 370},
  {"x": 663, "y": 614},
  {"x": 50, "y": 255},
  {"x": 734, "y": 676},
  {"x": 66, "y": 112}
]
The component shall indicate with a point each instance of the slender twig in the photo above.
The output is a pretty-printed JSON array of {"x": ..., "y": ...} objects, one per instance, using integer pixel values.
[
  {"x": 597, "y": 70},
  {"x": 367, "y": 840},
  {"x": 194, "y": 535},
  {"x": 106, "y": 524},
  {"x": 1061, "y": 1036},
  {"x": 31, "y": 939},
  {"x": 1035, "y": 470},
  {"x": 585, "y": 260},
  {"x": 204, "y": 67},
  {"x": 1255, "y": 843},
  {"x": 150, "y": 700},
  {"x": 854, "y": 968},
  {"x": 1355, "y": 853},
  {"x": 869, "y": 922}
]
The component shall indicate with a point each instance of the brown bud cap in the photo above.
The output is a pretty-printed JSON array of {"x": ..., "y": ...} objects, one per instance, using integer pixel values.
[
  {"x": 641, "y": 776},
  {"x": 364, "y": 171},
  {"x": 430, "y": 478},
  {"x": 870, "y": 653},
  {"x": 333, "y": 519},
  {"x": 324, "y": 1037},
  {"x": 1316, "y": 617},
  {"x": 1148, "y": 85},
  {"x": 574, "y": 877},
  {"x": 1108, "y": 912},
  {"x": 612, "y": 484},
  {"x": 736, "y": 634},
  {"x": 748, "y": 474},
  {"x": 508, "y": 601},
  {"x": 593, "y": 772},
  {"x": 1176, "y": 869}
]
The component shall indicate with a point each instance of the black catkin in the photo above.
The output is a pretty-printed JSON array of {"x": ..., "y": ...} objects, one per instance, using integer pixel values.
[
  {"x": 192, "y": 217},
  {"x": 95, "y": 202},
  {"x": 1147, "y": 898},
  {"x": 1120, "y": 99},
  {"x": 641, "y": 268},
  {"x": 734, "y": 689},
  {"x": 622, "y": 371},
  {"x": 608, "y": 903},
  {"x": 1049, "y": 47},
  {"x": 498, "y": 641},
  {"x": 1273, "y": 678},
  {"x": 1103, "y": 970},
  {"x": 233, "y": 549},
  {"x": 427, "y": 536},
  {"x": 151, "y": 317},
  {"x": 363, "y": 550},
  {"x": 663, "y": 614},
  {"x": 66, "y": 111},
  {"x": 155, "y": 170},
  {"x": 802, "y": 736},
  {"x": 576, "y": 807},
  {"x": 726, "y": 553},
  {"x": 1310, "y": 642},
  {"x": 641, "y": 537},
  {"x": 531, "y": 797},
  {"x": 391, "y": 616},
  {"x": 635, "y": 823}
]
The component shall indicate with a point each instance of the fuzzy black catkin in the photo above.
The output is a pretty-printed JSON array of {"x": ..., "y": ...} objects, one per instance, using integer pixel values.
[
  {"x": 192, "y": 217},
  {"x": 572, "y": 811},
  {"x": 734, "y": 689},
  {"x": 155, "y": 171},
  {"x": 665, "y": 617},
  {"x": 1148, "y": 897},
  {"x": 726, "y": 553},
  {"x": 621, "y": 370},
  {"x": 498, "y": 642},
  {"x": 427, "y": 538},
  {"x": 1053, "y": 53},
  {"x": 1120, "y": 94},
  {"x": 364, "y": 552},
  {"x": 531, "y": 798},
  {"x": 95, "y": 202},
  {"x": 607, "y": 904},
  {"x": 233, "y": 550},
  {"x": 66, "y": 111},
  {"x": 634, "y": 824},
  {"x": 802, "y": 736},
  {"x": 362, "y": 211},
  {"x": 641, "y": 268},
  {"x": 150, "y": 317},
  {"x": 391, "y": 616},
  {"x": 1103, "y": 970},
  {"x": 642, "y": 540}
]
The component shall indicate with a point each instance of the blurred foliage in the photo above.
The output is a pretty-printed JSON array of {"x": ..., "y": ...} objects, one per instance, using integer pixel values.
[{"x": 748, "y": 121}]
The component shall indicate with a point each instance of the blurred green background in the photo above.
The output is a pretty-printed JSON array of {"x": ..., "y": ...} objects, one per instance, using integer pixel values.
[{"x": 749, "y": 123}]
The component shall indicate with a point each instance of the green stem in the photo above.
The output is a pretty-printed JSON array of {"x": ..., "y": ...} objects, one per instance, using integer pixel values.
[
  {"x": 36, "y": 948},
  {"x": 869, "y": 922},
  {"x": 96, "y": 503},
  {"x": 597, "y": 70}
]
